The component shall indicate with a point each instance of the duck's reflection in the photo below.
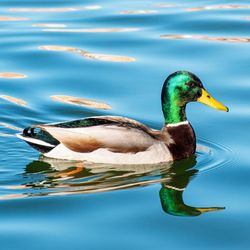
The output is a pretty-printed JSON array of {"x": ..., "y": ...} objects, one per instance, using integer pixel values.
[
  {"x": 56, "y": 177},
  {"x": 171, "y": 193}
]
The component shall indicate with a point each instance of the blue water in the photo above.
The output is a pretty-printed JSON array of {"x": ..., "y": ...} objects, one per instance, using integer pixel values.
[{"x": 49, "y": 204}]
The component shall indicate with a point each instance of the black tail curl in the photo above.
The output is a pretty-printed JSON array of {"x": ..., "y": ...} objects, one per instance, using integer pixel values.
[{"x": 39, "y": 134}]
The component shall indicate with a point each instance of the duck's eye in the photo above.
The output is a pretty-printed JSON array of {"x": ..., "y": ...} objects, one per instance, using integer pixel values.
[{"x": 191, "y": 84}]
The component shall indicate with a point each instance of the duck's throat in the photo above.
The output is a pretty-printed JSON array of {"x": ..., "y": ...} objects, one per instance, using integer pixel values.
[{"x": 174, "y": 113}]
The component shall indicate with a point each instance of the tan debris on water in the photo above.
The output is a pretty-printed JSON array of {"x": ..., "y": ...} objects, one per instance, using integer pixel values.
[
  {"x": 49, "y": 25},
  {"x": 10, "y": 18},
  {"x": 96, "y": 30},
  {"x": 209, "y": 38},
  {"x": 11, "y": 75},
  {"x": 89, "y": 55},
  {"x": 110, "y": 58},
  {"x": 137, "y": 12},
  {"x": 80, "y": 102},
  {"x": 93, "y": 7},
  {"x": 58, "y": 48},
  {"x": 14, "y": 100},
  {"x": 218, "y": 7}
]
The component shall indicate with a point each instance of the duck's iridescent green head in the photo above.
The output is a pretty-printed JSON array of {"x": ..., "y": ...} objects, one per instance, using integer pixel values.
[{"x": 181, "y": 88}]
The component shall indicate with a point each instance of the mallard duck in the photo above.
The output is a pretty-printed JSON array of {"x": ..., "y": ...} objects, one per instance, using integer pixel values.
[{"x": 119, "y": 140}]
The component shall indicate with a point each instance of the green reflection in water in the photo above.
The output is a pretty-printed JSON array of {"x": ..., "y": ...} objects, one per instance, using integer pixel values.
[{"x": 171, "y": 193}]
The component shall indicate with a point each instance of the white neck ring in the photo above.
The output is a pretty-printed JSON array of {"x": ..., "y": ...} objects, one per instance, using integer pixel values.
[{"x": 177, "y": 124}]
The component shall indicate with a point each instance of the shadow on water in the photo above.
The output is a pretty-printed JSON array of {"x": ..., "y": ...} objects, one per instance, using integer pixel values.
[{"x": 51, "y": 177}]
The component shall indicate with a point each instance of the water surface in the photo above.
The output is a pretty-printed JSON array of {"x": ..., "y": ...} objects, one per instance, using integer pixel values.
[{"x": 67, "y": 60}]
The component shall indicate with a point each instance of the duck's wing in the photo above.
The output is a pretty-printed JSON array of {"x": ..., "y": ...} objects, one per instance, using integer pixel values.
[{"x": 116, "y": 134}]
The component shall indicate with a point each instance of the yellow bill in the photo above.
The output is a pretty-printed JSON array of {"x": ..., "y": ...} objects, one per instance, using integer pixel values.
[
  {"x": 207, "y": 99},
  {"x": 209, "y": 209}
]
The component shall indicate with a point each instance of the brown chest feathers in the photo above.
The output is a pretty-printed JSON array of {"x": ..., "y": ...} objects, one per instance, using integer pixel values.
[{"x": 183, "y": 141}]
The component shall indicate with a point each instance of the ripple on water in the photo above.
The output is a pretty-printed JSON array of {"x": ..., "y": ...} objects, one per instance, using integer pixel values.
[
  {"x": 5, "y": 135},
  {"x": 10, "y": 126},
  {"x": 212, "y": 155}
]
